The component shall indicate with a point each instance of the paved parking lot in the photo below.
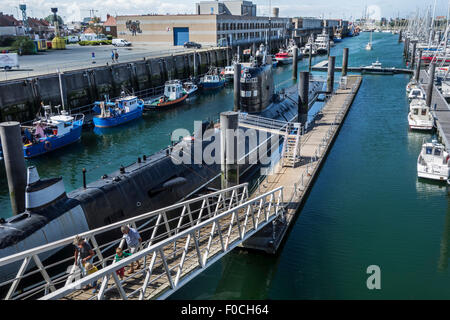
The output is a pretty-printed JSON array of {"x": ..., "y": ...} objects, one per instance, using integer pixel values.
[{"x": 78, "y": 57}]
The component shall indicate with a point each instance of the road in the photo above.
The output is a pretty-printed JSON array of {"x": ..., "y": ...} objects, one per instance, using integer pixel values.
[{"x": 79, "y": 57}]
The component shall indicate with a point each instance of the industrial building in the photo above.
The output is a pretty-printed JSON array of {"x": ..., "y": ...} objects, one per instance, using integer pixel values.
[{"x": 224, "y": 23}]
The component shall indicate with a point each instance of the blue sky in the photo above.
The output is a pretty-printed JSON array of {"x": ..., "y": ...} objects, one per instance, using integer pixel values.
[{"x": 76, "y": 9}]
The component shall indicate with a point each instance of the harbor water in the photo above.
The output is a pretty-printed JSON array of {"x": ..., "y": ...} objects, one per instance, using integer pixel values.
[{"x": 367, "y": 206}]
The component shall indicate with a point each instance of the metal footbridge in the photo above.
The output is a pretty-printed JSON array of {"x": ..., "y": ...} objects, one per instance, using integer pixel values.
[{"x": 179, "y": 242}]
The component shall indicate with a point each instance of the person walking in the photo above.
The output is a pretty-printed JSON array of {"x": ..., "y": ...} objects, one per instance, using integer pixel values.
[
  {"x": 117, "y": 56},
  {"x": 133, "y": 240},
  {"x": 119, "y": 256},
  {"x": 83, "y": 253},
  {"x": 93, "y": 57},
  {"x": 113, "y": 56}
]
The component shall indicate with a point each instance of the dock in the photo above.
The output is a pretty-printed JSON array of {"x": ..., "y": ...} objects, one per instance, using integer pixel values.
[
  {"x": 439, "y": 109},
  {"x": 297, "y": 181}
]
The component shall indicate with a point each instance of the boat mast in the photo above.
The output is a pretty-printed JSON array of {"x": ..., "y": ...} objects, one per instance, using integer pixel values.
[{"x": 432, "y": 25}]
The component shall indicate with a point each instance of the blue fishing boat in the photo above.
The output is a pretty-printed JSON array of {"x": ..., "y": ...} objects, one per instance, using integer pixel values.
[
  {"x": 123, "y": 110},
  {"x": 211, "y": 80},
  {"x": 51, "y": 132}
]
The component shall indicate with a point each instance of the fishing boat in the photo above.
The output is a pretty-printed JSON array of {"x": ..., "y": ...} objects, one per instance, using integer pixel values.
[
  {"x": 283, "y": 57},
  {"x": 211, "y": 80},
  {"x": 322, "y": 42},
  {"x": 432, "y": 162},
  {"x": 123, "y": 110},
  {"x": 190, "y": 88},
  {"x": 228, "y": 73},
  {"x": 419, "y": 116},
  {"x": 310, "y": 44},
  {"x": 51, "y": 132},
  {"x": 174, "y": 94}
]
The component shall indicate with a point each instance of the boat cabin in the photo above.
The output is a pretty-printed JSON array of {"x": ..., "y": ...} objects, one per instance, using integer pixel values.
[
  {"x": 434, "y": 153},
  {"x": 128, "y": 103},
  {"x": 173, "y": 90},
  {"x": 416, "y": 93},
  {"x": 211, "y": 78}
]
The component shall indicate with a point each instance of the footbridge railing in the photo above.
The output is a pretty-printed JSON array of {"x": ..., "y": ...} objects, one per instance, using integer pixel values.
[
  {"x": 38, "y": 272},
  {"x": 179, "y": 258}
]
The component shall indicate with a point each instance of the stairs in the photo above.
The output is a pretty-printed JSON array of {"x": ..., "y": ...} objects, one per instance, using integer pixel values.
[{"x": 291, "y": 148}]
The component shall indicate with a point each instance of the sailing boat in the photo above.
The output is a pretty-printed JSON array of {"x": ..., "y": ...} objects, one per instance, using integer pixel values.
[{"x": 369, "y": 45}]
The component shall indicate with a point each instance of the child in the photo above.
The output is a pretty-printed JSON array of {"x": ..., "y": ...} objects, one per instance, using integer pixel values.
[
  {"x": 90, "y": 269},
  {"x": 119, "y": 256}
]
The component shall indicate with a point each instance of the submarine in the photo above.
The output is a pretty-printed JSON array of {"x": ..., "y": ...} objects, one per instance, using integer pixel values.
[{"x": 149, "y": 184}]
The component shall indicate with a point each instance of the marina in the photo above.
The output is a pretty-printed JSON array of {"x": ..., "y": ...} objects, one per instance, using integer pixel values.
[{"x": 303, "y": 173}]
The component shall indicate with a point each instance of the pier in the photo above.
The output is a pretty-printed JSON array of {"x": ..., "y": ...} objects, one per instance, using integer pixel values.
[
  {"x": 297, "y": 181},
  {"x": 439, "y": 108}
]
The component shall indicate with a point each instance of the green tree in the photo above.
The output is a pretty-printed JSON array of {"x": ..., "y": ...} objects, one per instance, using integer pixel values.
[
  {"x": 50, "y": 20},
  {"x": 24, "y": 45}
]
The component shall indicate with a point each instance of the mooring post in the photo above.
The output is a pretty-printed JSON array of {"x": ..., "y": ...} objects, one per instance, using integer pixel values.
[
  {"x": 14, "y": 164},
  {"x": 328, "y": 48},
  {"x": 237, "y": 86},
  {"x": 413, "y": 57},
  {"x": 430, "y": 83},
  {"x": 195, "y": 64},
  {"x": 400, "y": 36},
  {"x": 303, "y": 96},
  {"x": 254, "y": 48},
  {"x": 295, "y": 63},
  {"x": 310, "y": 57},
  {"x": 417, "y": 75},
  {"x": 228, "y": 56},
  {"x": 330, "y": 76},
  {"x": 344, "y": 63},
  {"x": 229, "y": 122}
]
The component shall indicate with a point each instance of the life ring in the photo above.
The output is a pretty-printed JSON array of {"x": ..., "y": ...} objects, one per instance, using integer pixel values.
[{"x": 47, "y": 145}]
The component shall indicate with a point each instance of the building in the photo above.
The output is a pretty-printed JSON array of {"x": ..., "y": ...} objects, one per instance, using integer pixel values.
[
  {"x": 110, "y": 26},
  {"x": 235, "y": 8},
  {"x": 9, "y": 26},
  {"x": 207, "y": 29}
]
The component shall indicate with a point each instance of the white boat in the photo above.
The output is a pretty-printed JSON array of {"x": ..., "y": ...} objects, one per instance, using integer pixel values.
[
  {"x": 432, "y": 162},
  {"x": 376, "y": 68},
  {"x": 228, "y": 73},
  {"x": 445, "y": 89},
  {"x": 190, "y": 88},
  {"x": 322, "y": 42},
  {"x": 369, "y": 45},
  {"x": 411, "y": 85},
  {"x": 419, "y": 116},
  {"x": 416, "y": 93}
]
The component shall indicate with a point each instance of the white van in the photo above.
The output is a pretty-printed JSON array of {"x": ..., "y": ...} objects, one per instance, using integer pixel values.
[
  {"x": 121, "y": 43},
  {"x": 73, "y": 39},
  {"x": 9, "y": 60}
]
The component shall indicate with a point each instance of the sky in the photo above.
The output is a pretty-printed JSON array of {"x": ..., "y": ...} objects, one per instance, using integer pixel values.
[{"x": 75, "y": 10}]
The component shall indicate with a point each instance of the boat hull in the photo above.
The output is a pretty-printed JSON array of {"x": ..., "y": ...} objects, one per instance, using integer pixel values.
[
  {"x": 212, "y": 85},
  {"x": 53, "y": 143},
  {"x": 116, "y": 121},
  {"x": 284, "y": 60},
  {"x": 167, "y": 104}
]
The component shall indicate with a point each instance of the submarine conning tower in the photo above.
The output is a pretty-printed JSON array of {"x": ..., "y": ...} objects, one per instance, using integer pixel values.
[
  {"x": 40, "y": 193},
  {"x": 257, "y": 87}
]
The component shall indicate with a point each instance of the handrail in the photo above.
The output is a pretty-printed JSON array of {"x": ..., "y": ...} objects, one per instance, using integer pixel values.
[{"x": 258, "y": 210}]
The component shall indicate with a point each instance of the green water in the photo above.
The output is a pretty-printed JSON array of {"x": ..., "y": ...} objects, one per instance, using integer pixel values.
[{"x": 366, "y": 208}]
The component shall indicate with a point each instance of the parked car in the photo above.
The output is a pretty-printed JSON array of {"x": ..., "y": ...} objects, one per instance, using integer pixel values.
[
  {"x": 191, "y": 44},
  {"x": 121, "y": 43}
]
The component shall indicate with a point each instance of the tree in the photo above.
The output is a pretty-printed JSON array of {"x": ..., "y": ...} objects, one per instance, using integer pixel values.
[
  {"x": 50, "y": 20},
  {"x": 24, "y": 45}
]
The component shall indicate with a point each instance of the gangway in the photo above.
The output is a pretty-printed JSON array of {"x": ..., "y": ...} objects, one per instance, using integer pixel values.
[
  {"x": 179, "y": 242},
  {"x": 291, "y": 131}
]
